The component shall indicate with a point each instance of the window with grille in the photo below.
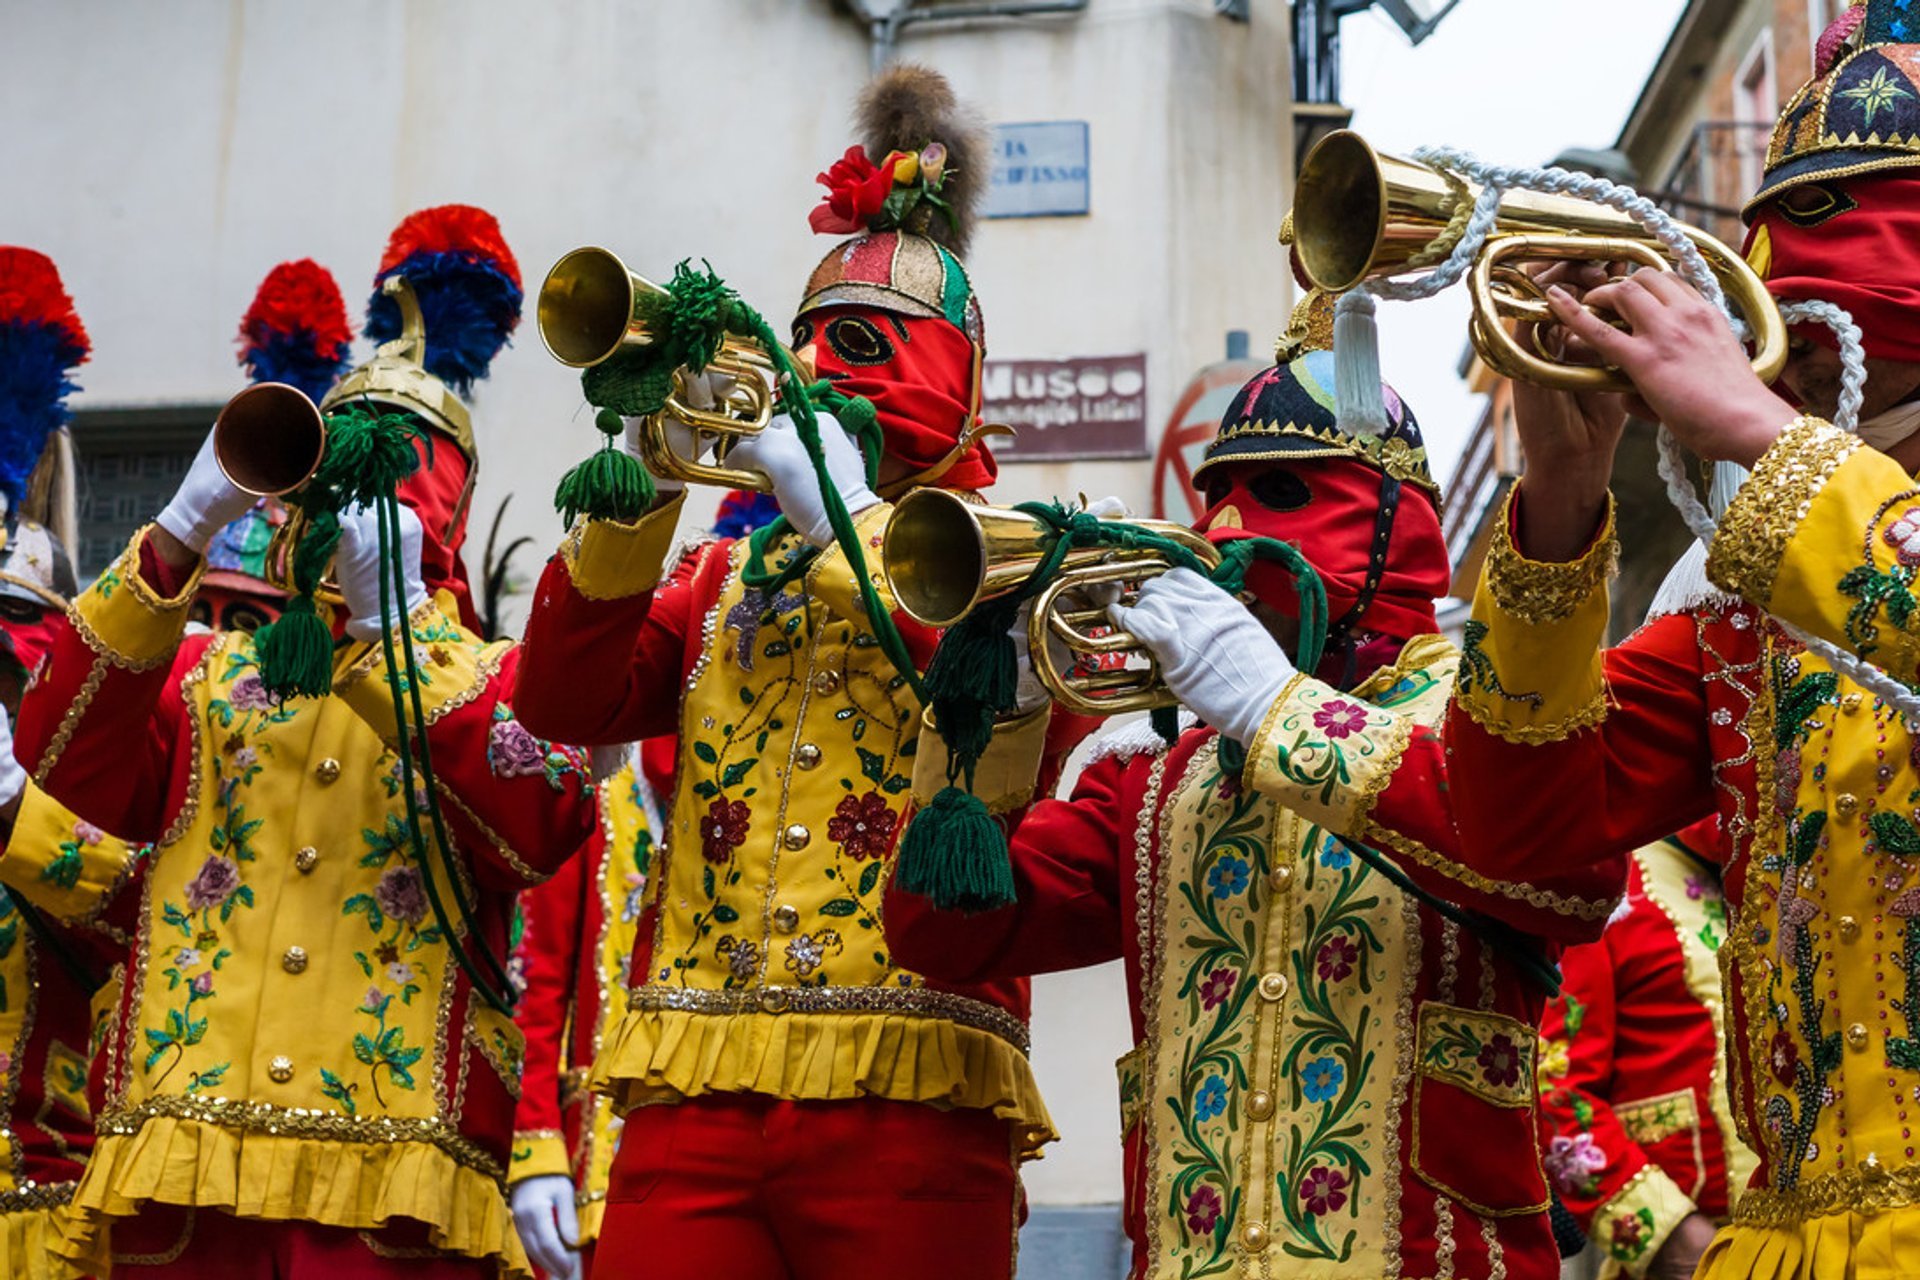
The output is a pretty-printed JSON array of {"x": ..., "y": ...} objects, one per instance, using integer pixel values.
[{"x": 131, "y": 461}]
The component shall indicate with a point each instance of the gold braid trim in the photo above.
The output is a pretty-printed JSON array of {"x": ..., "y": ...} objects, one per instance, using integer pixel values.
[
  {"x": 57, "y": 746},
  {"x": 1861, "y": 1188},
  {"x": 1545, "y": 899},
  {"x": 36, "y": 1195},
  {"x": 943, "y": 1006},
  {"x": 1745, "y": 555},
  {"x": 1533, "y": 735},
  {"x": 1542, "y": 591}
]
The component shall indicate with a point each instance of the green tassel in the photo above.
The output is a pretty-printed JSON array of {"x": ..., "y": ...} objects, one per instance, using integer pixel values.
[
  {"x": 296, "y": 652},
  {"x": 955, "y": 855},
  {"x": 1166, "y": 723},
  {"x": 633, "y": 383},
  {"x": 974, "y": 675},
  {"x": 609, "y": 485}
]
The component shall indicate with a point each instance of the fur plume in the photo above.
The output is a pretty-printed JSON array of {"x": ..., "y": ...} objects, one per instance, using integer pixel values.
[
  {"x": 468, "y": 285},
  {"x": 41, "y": 342},
  {"x": 297, "y": 330},
  {"x": 908, "y": 106}
]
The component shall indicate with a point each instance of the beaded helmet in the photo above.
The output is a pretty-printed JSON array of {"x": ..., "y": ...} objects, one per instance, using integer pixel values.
[{"x": 1860, "y": 113}]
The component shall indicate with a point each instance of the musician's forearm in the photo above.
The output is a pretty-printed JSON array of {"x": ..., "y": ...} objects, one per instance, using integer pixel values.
[{"x": 1560, "y": 511}]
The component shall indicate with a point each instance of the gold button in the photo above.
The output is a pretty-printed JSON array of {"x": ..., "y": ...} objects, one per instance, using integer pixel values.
[
  {"x": 1259, "y": 1105},
  {"x": 1273, "y": 986},
  {"x": 808, "y": 756},
  {"x": 1849, "y": 928},
  {"x": 280, "y": 1070},
  {"x": 797, "y": 836},
  {"x": 328, "y": 771},
  {"x": 826, "y": 682},
  {"x": 1255, "y": 1238},
  {"x": 306, "y": 859},
  {"x": 1857, "y": 1036},
  {"x": 295, "y": 960},
  {"x": 1280, "y": 877},
  {"x": 774, "y": 999},
  {"x": 785, "y": 918},
  {"x": 1851, "y": 703},
  {"x": 1846, "y": 804}
]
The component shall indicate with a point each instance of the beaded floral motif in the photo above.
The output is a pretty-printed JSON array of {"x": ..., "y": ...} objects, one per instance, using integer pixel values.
[{"x": 514, "y": 752}]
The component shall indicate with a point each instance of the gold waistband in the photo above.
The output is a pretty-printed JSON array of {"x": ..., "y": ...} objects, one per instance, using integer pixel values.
[
  {"x": 913, "y": 1002},
  {"x": 295, "y": 1122},
  {"x": 36, "y": 1195},
  {"x": 1862, "y": 1188}
]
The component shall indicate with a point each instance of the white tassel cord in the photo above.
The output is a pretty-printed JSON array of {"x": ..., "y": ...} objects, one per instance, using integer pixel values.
[{"x": 1495, "y": 181}]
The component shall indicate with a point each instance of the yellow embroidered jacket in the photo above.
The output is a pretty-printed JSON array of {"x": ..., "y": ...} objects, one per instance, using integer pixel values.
[
  {"x": 760, "y": 965},
  {"x": 293, "y": 1038},
  {"x": 1330, "y": 1078},
  {"x": 576, "y": 943},
  {"x": 1565, "y": 755}
]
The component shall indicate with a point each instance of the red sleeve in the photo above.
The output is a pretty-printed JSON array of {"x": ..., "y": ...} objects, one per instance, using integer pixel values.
[
  {"x": 596, "y": 672},
  {"x": 1067, "y": 871},
  {"x": 1642, "y": 773},
  {"x": 552, "y": 924}
]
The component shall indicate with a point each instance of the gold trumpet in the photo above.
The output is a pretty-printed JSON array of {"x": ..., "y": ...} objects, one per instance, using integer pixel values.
[
  {"x": 1359, "y": 215},
  {"x": 269, "y": 440},
  {"x": 590, "y": 308},
  {"x": 945, "y": 556}
]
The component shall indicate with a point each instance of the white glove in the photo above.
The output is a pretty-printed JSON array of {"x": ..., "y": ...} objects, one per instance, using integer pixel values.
[
  {"x": 13, "y": 779},
  {"x": 1213, "y": 654},
  {"x": 357, "y": 568},
  {"x": 543, "y": 1214},
  {"x": 682, "y": 439},
  {"x": 205, "y": 503},
  {"x": 779, "y": 454}
]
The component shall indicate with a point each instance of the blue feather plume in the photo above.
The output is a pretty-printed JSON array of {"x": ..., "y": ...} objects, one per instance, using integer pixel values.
[
  {"x": 293, "y": 358},
  {"x": 468, "y": 305},
  {"x": 34, "y": 361}
]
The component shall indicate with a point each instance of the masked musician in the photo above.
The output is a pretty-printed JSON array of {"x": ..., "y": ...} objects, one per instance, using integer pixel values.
[
  {"x": 295, "y": 332},
  {"x": 1331, "y": 1077},
  {"x": 799, "y": 1104},
  {"x": 1639, "y": 1139},
  {"x": 304, "y": 1074},
  {"x": 1566, "y": 754}
]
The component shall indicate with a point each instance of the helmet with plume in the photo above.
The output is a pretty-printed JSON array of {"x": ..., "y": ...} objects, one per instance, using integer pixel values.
[{"x": 467, "y": 284}]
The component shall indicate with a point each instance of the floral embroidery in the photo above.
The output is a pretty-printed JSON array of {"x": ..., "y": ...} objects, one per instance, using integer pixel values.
[
  {"x": 1203, "y": 1210},
  {"x": 1573, "y": 1163},
  {"x": 1499, "y": 1060},
  {"x": 65, "y": 868},
  {"x": 1477, "y": 670},
  {"x": 863, "y": 825},
  {"x": 1324, "y": 1189},
  {"x": 514, "y": 752},
  {"x": 1338, "y": 719},
  {"x": 1211, "y": 1099},
  {"x": 1335, "y": 856},
  {"x": 806, "y": 951},
  {"x": 1337, "y": 958},
  {"x": 1217, "y": 987},
  {"x": 1228, "y": 877},
  {"x": 1629, "y": 1233},
  {"x": 1320, "y": 1079},
  {"x": 742, "y": 957},
  {"x": 1486, "y": 1054},
  {"x": 401, "y": 895},
  {"x": 723, "y": 830}
]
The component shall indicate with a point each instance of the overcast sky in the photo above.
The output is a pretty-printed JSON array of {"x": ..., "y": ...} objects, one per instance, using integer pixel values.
[{"x": 1515, "y": 82}]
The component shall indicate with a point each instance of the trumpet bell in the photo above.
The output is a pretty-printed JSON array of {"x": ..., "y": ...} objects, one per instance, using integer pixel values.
[
  {"x": 269, "y": 439},
  {"x": 586, "y": 307}
]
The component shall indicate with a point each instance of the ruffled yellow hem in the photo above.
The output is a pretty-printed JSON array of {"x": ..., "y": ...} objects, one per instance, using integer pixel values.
[
  {"x": 664, "y": 1055},
  {"x": 1856, "y": 1246},
  {"x": 274, "y": 1176},
  {"x": 27, "y": 1239}
]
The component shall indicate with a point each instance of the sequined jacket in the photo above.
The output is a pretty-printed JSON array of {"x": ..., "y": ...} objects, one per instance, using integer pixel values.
[
  {"x": 1566, "y": 754},
  {"x": 46, "y": 981},
  {"x": 1633, "y": 1101},
  {"x": 760, "y": 965},
  {"x": 1328, "y": 1079},
  {"x": 576, "y": 941},
  {"x": 293, "y": 1039}
]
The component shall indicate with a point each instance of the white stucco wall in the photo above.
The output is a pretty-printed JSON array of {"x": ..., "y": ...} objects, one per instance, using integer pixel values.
[{"x": 166, "y": 155}]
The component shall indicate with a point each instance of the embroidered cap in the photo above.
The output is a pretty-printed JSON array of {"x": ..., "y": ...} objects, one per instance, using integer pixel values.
[
  {"x": 1861, "y": 111},
  {"x": 1287, "y": 412}
]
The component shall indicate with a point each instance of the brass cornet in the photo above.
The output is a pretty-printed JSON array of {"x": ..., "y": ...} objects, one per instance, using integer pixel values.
[
  {"x": 1359, "y": 215},
  {"x": 590, "y": 308},
  {"x": 945, "y": 555},
  {"x": 269, "y": 440}
]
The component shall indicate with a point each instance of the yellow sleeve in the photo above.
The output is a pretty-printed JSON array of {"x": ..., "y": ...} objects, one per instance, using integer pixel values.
[
  {"x": 65, "y": 866},
  {"x": 831, "y": 580},
  {"x": 1325, "y": 754},
  {"x": 1826, "y": 534},
  {"x": 1008, "y": 770},
  {"x": 538, "y": 1153},
  {"x": 122, "y": 619},
  {"x": 613, "y": 559},
  {"x": 1530, "y": 667},
  {"x": 1632, "y": 1225}
]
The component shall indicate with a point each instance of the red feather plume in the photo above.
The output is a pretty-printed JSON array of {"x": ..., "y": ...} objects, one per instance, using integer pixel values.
[
  {"x": 451, "y": 228},
  {"x": 31, "y": 293},
  {"x": 299, "y": 296}
]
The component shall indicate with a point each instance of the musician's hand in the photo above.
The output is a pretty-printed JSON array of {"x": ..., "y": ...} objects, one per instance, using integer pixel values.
[
  {"x": 1688, "y": 369},
  {"x": 544, "y": 1215},
  {"x": 1680, "y": 1255},
  {"x": 359, "y": 569},
  {"x": 1213, "y": 654},
  {"x": 682, "y": 440},
  {"x": 781, "y": 456},
  {"x": 205, "y": 503}
]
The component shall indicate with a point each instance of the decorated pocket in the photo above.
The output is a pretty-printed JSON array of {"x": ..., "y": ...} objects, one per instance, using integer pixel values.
[
  {"x": 1474, "y": 1093},
  {"x": 498, "y": 1041}
]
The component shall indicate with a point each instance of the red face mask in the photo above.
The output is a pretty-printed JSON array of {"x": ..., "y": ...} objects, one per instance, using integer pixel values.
[
  {"x": 919, "y": 374},
  {"x": 1853, "y": 243},
  {"x": 1328, "y": 508},
  {"x": 26, "y": 634}
]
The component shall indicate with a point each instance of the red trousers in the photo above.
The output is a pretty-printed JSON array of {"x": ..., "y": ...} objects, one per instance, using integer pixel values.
[
  {"x": 169, "y": 1242},
  {"x": 753, "y": 1188}
]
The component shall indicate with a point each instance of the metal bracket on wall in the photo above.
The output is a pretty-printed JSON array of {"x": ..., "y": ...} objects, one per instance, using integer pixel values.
[{"x": 886, "y": 19}]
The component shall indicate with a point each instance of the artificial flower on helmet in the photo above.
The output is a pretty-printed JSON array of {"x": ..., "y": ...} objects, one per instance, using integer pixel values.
[{"x": 857, "y": 190}]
